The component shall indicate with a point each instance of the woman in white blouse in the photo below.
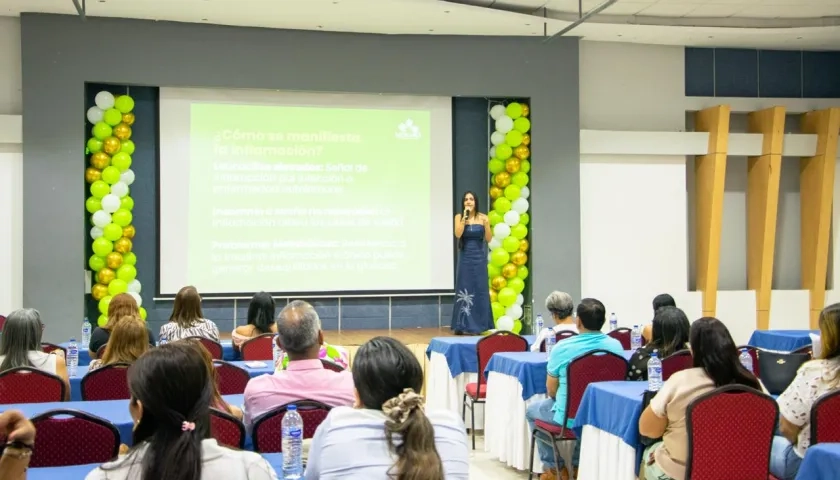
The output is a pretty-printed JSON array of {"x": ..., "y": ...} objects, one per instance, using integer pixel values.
[
  {"x": 20, "y": 346},
  {"x": 187, "y": 319},
  {"x": 561, "y": 306},
  {"x": 814, "y": 379}
]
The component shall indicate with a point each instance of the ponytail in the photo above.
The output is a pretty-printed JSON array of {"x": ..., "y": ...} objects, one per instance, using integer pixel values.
[{"x": 417, "y": 457}]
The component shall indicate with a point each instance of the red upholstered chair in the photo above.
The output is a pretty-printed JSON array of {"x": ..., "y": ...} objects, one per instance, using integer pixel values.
[
  {"x": 215, "y": 348},
  {"x": 730, "y": 432},
  {"x": 476, "y": 392},
  {"x": 673, "y": 363},
  {"x": 28, "y": 385},
  {"x": 226, "y": 429},
  {"x": 825, "y": 419},
  {"x": 330, "y": 365},
  {"x": 753, "y": 351},
  {"x": 266, "y": 429},
  {"x": 106, "y": 383},
  {"x": 594, "y": 366},
  {"x": 231, "y": 379},
  {"x": 622, "y": 335},
  {"x": 260, "y": 347},
  {"x": 47, "y": 347},
  {"x": 2, "y": 321},
  {"x": 558, "y": 337},
  {"x": 70, "y": 437}
]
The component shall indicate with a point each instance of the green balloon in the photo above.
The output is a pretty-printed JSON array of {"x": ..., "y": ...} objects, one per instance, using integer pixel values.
[
  {"x": 111, "y": 175},
  {"x": 102, "y": 320},
  {"x": 522, "y": 272},
  {"x": 96, "y": 263},
  {"x": 127, "y": 203},
  {"x": 129, "y": 258},
  {"x": 127, "y": 146},
  {"x": 99, "y": 189},
  {"x": 510, "y": 244},
  {"x": 503, "y": 151},
  {"x": 498, "y": 310},
  {"x": 502, "y": 205},
  {"x": 514, "y": 110},
  {"x": 124, "y": 104},
  {"x": 121, "y": 217},
  {"x": 524, "y": 218},
  {"x": 499, "y": 257},
  {"x": 519, "y": 231},
  {"x": 122, "y": 161},
  {"x": 103, "y": 305},
  {"x": 496, "y": 165},
  {"x": 112, "y": 117},
  {"x": 126, "y": 273},
  {"x": 93, "y": 204},
  {"x": 117, "y": 287},
  {"x": 519, "y": 178},
  {"x": 101, "y": 130},
  {"x": 512, "y": 192},
  {"x": 517, "y": 326},
  {"x": 517, "y": 284},
  {"x": 507, "y": 296},
  {"x": 513, "y": 138},
  {"x": 493, "y": 271},
  {"x": 494, "y": 217},
  {"x": 94, "y": 145},
  {"x": 102, "y": 246},
  {"x": 525, "y": 166},
  {"x": 113, "y": 232},
  {"x": 521, "y": 125}
]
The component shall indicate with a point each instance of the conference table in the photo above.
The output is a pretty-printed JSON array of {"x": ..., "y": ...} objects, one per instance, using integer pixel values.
[
  {"x": 228, "y": 352},
  {"x": 781, "y": 340},
  {"x": 820, "y": 462}
]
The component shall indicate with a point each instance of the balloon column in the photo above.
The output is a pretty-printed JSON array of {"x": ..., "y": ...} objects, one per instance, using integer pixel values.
[
  {"x": 109, "y": 175},
  {"x": 509, "y": 166}
]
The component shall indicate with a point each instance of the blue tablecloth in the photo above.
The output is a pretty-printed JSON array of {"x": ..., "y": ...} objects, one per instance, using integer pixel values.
[
  {"x": 820, "y": 463},
  {"x": 614, "y": 407},
  {"x": 228, "y": 353},
  {"x": 781, "y": 340},
  {"x": 76, "y": 382},
  {"x": 460, "y": 352}
]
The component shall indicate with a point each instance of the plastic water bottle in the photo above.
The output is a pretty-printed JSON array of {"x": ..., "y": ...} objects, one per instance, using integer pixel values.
[
  {"x": 654, "y": 373},
  {"x": 746, "y": 360},
  {"x": 161, "y": 342},
  {"x": 86, "y": 332},
  {"x": 277, "y": 354},
  {"x": 292, "y": 431},
  {"x": 636, "y": 338},
  {"x": 613, "y": 321},
  {"x": 72, "y": 357},
  {"x": 550, "y": 341},
  {"x": 538, "y": 327}
]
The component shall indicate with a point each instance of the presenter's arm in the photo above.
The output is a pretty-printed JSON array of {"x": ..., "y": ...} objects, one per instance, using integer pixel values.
[
  {"x": 488, "y": 232},
  {"x": 459, "y": 226}
]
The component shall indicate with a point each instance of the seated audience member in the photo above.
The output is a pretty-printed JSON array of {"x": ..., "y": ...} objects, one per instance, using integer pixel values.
[
  {"x": 129, "y": 340},
  {"x": 659, "y": 301},
  {"x": 388, "y": 435},
  {"x": 20, "y": 346},
  {"x": 122, "y": 305},
  {"x": 217, "y": 402},
  {"x": 19, "y": 434},
  {"x": 561, "y": 307},
  {"x": 715, "y": 360},
  {"x": 171, "y": 394},
  {"x": 591, "y": 316},
  {"x": 187, "y": 319},
  {"x": 299, "y": 329},
  {"x": 670, "y": 334},
  {"x": 260, "y": 320},
  {"x": 814, "y": 379}
]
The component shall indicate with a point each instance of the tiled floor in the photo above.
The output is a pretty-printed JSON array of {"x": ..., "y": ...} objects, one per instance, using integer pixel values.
[{"x": 484, "y": 466}]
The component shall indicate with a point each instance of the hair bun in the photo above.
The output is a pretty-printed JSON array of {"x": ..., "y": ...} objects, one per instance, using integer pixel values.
[{"x": 400, "y": 407}]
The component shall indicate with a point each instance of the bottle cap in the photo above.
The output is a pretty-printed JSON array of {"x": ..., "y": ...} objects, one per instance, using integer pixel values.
[
  {"x": 654, "y": 354},
  {"x": 291, "y": 408}
]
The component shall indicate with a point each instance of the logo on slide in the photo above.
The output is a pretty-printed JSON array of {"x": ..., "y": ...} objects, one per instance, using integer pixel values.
[{"x": 407, "y": 130}]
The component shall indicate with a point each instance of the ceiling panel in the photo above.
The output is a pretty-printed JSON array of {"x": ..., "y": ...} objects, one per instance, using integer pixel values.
[{"x": 669, "y": 9}]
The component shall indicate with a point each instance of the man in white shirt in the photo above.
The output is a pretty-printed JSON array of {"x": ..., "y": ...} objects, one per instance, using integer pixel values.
[{"x": 561, "y": 306}]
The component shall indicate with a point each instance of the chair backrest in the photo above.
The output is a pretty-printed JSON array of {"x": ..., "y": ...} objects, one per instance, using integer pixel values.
[
  {"x": 215, "y": 348},
  {"x": 226, "y": 429},
  {"x": 266, "y": 429},
  {"x": 71, "y": 437},
  {"x": 231, "y": 379},
  {"x": 2, "y": 321},
  {"x": 30, "y": 385},
  {"x": 47, "y": 347},
  {"x": 501, "y": 341},
  {"x": 806, "y": 349},
  {"x": 109, "y": 382},
  {"x": 590, "y": 367},
  {"x": 330, "y": 365},
  {"x": 730, "y": 431},
  {"x": 622, "y": 334},
  {"x": 778, "y": 369},
  {"x": 753, "y": 351},
  {"x": 673, "y": 363},
  {"x": 825, "y": 419},
  {"x": 260, "y": 347},
  {"x": 558, "y": 337}
]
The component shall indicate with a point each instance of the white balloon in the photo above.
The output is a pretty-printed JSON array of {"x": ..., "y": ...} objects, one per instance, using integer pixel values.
[
  {"x": 111, "y": 203},
  {"x": 520, "y": 204},
  {"x": 495, "y": 243},
  {"x": 497, "y": 111},
  {"x": 504, "y": 124},
  {"x": 134, "y": 286},
  {"x": 511, "y": 217},
  {"x": 501, "y": 231},
  {"x": 492, "y": 152},
  {"x": 101, "y": 218},
  {"x": 137, "y": 298},
  {"x": 104, "y": 100},
  {"x": 520, "y": 299},
  {"x": 514, "y": 311},
  {"x": 96, "y": 232},
  {"x": 127, "y": 177},
  {"x": 497, "y": 138},
  {"x": 504, "y": 323},
  {"x": 524, "y": 192},
  {"x": 119, "y": 189},
  {"x": 95, "y": 114}
]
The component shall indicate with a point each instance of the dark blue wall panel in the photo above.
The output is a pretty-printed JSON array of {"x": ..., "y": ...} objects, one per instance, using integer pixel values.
[
  {"x": 821, "y": 74},
  {"x": 736, "y": 73},
  {"x": 700, "y": 72},
  {"x": 779, "y": 74}
]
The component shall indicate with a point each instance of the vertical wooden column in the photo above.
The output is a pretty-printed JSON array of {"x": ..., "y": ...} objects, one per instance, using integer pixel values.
[
  {"x": 710, "y": 175},
  {"x": 763, "y": 176},
  {"x": 816, "y": 184}
]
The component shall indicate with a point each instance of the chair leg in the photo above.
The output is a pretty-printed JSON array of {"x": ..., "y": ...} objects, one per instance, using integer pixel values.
[
  {"x": 556, "y": 454},
  {"x": 472, "y": 422},
  {"x": 531, "y": 459},
  {"x": 464, "y": 409}
]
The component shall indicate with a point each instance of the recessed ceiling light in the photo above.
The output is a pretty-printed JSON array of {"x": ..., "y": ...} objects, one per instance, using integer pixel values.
[
  {"x": 446, "y": 11},
  {"x": 431, "y": 30},
  {"x": 619, "y": 35},
  {"x": 320, "y": 26},
  {"x": 203, "y": 19},
  {"x": 527, "y": 24},
  {"x": 799, "y": 38},
  {"x": 711, "y": 36}
]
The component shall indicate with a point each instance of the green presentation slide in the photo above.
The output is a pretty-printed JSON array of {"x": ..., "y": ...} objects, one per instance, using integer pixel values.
[{"x": 308, "y": 199}]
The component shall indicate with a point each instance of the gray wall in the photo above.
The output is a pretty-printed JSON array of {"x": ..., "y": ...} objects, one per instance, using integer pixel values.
[{"x": 58, "y": 58}]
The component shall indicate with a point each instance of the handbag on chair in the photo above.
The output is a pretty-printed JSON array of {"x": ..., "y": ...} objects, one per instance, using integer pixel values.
[{"x": 779, "y": 369}]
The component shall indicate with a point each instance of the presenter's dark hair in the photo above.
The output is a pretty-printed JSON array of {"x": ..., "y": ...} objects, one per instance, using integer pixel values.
[
  {"x": 261, "y": 312},
  {"x": 713, "y": 350},
  {"x": 670, "y": 330},
  {"x": 473, "y": 213},
  {"x": 592, "y": 314},
  {"x": 663, "y": 300}
]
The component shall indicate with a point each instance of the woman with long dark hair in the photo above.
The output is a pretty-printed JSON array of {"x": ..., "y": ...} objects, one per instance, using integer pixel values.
[
  {"x": 388, "y": 436},
  {"x": 187, "y": 319},
  {"x": 670, "y": 333},
  {"x": 715, "y": 361},
  {"x": 260, "y": 320},
  {"x": 471, "y": 312},
  {"x": 20, "y": 346},
  {"x": 171, "y": 394}
]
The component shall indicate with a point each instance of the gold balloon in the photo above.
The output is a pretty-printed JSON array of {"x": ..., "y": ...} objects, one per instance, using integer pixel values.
[
  {"x": 494, "y": 295},
  {"x": 523, "y": 245},
  {"x": 509, "y": 270},
  {"x": 498, "y": 283},
  {"x": 128, "y": 232},
  {"x": 105, "y": 275},
  {"x": 100, "y": 160},
  {"x": 502, "y": 179},
  {"x": 122, "y": 131},
  {"x": 122, "y": 245},
  {"x": 495, "y": 192},
  {"x": 92, "y": 174},
  {"x": 111, "y": 145},
  {"x": 522, "y": 152},
  {"x": 113, "y": 260},
  {"x": 519, "y": 258},
  {"x": 128, "y": 118},
  {"x": 99, "y": 291},
  {"x": 512, "y": 164},
  {"x": 525, "y": 109},
  {"x": 526, "y": 139}
]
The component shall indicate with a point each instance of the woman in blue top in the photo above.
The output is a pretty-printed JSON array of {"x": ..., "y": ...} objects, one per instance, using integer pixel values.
[{"x": 471, "y": 312}]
